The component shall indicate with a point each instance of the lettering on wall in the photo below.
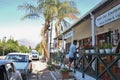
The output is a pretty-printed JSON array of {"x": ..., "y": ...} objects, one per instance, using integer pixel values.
[{"x": 109, "y": 16}]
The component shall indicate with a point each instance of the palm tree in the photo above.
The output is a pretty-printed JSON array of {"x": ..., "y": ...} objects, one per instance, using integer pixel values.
[
  {"x": 43, "y": 42},
  {"x": 49, "y": 10},
  {"x": 65, "y": 10},
  {"x": 44, "y": 9}
]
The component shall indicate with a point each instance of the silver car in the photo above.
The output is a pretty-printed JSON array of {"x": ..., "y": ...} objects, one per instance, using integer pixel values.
[
  {"x": 8, "y": 71},
  {"x": 22, "y": 63}
]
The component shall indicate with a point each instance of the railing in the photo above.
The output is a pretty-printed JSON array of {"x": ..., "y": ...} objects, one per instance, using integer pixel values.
[
  {"x": 99, "y": 66},
  {"x": 57, "y": 57}
]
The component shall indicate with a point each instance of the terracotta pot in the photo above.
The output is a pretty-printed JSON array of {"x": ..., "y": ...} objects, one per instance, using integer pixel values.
[{"x": 65, "y": 75}]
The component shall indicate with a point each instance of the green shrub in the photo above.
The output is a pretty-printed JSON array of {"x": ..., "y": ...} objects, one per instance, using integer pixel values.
[
  {"x": 64, "y": 69},
  {"x": 107, "y": 45},
  {"x": 51, "y": 67}
]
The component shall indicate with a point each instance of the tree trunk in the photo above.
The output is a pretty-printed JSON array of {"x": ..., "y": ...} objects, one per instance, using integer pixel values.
[{"x": 45, "y": 49}]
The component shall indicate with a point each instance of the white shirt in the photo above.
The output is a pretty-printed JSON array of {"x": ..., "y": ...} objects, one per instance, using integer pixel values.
[{"x": 72, "y": 50}]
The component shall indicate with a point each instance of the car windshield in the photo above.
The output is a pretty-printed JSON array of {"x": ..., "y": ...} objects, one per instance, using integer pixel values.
[
  {"x": 34, "y": 53},
  {"x": 17, "y": 58}
]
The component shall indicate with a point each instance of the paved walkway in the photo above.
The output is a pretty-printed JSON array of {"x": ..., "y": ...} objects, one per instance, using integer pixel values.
[{"x": 45, "y": 74}]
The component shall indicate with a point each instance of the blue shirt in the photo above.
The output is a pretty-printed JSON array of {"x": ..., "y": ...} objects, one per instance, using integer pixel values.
[{"x": 72, "y": 50}]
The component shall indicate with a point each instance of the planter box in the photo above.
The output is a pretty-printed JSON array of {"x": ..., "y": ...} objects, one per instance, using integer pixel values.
[{"x": 65, "y": 75}]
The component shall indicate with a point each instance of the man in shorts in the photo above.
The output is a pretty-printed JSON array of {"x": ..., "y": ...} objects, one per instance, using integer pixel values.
[{"x": 72, "y": 52}]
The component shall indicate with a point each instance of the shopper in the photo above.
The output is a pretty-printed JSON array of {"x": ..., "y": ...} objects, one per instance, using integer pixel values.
[{"x": 72, "y": 52}]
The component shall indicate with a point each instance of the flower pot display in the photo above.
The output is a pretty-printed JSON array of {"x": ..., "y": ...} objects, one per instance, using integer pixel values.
[
  {"x": 108, "y": 51},
  {"x": 64, "y": 73},
  {"x": 87, "y": 51},
  {"x": 108, "y": 48},
  {"x": 101, "y": 51},
  {"x": 92, "y": 51},
  {"x": 101, "y": 48}
]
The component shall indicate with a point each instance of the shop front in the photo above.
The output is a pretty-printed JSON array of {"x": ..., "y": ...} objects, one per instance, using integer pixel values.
[{"x": 98, "y": 28}]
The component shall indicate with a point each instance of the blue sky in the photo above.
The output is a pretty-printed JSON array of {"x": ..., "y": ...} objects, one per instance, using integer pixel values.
[{"x": 12, "y": 25}]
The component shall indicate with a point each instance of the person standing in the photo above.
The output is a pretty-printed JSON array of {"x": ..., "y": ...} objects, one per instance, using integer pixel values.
[{"x": 72, "y": 52}]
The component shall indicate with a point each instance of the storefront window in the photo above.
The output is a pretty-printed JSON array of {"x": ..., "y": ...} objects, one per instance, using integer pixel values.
[
  {"x": 115, "y": 37},
  {"x": 67, "y": 46}
]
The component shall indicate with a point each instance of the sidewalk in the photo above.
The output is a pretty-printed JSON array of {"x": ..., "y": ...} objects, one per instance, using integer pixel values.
[{"x": 46, "y": 74}]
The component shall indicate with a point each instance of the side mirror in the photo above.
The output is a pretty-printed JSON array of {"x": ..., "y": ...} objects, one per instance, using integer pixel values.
[{"x": 10, "y": 70}]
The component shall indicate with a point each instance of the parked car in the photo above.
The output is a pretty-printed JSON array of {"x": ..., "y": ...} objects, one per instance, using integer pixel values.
[
  {"x": 8, "y": 71},
  {"x": 21, "y": 62},
  {"x": 34, "y": 54}
]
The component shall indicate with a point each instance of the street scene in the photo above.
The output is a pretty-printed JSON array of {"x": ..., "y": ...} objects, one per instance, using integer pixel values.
[{"x": 59, "y": 40}]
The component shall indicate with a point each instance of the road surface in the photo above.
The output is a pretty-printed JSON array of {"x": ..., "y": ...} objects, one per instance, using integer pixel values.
[{"x": 38, "y": 68}]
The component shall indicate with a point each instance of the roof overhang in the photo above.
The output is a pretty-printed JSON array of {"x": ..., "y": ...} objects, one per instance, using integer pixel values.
[{"x": 86, "y": 16}]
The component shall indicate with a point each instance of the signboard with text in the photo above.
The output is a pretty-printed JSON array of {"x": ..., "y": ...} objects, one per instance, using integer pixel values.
[{"x": 109, "y": 16}]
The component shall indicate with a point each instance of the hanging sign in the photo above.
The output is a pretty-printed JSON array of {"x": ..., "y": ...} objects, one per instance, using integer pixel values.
[{"x": 109, "y": 16}]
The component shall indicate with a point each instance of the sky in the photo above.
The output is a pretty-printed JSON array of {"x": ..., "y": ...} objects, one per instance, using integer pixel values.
[{"x": 11, "y": 24}]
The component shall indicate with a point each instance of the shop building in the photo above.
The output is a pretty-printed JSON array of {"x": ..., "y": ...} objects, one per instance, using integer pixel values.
[{"x": 99, "y": 26}]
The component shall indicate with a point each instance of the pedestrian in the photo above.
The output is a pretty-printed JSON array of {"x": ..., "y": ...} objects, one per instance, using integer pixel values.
[{"x": 72, "y": 52}]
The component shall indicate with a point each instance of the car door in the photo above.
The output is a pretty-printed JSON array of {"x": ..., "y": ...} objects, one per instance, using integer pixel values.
[{"x": 12, "y": 73}]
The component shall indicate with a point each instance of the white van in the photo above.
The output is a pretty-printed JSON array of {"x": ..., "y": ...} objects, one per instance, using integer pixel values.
[{"x": 34, "y": 54}]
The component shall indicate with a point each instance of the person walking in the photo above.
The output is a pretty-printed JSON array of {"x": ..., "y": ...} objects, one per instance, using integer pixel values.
[{"x": 72, "y": 52}]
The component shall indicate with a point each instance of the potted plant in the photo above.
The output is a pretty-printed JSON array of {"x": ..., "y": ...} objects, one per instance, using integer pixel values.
[
  {"x": 92, "y": 49},
  {"x": 87, "y": 49},
  {"x": 64, "y": 72},
  {"x": 101, "y": 48},
  {"x": 108, "y": 47},
  {"x": 51, "y": 67}
]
